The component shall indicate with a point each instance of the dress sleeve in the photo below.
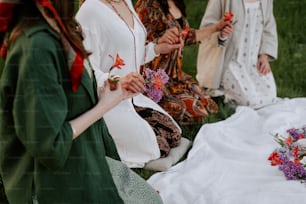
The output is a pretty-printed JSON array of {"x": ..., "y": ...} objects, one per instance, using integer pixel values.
[
  {"x": 92, "y": 44},
  {"x": 92, "y": 40},
  {"x": 151, "y": 17},
  {"x": 40, "y": 105},
  {"x": 269, "y": 44},
  {"x": 213, "y": 13}
]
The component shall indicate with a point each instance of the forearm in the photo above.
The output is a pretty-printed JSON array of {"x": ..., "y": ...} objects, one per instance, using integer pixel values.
[
  {"x": 81, "y": 123},
  {"x": 206, "y": 32}
]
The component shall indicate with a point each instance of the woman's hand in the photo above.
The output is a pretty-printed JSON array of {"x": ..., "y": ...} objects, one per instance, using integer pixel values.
[
  {"x": 164, "y": 48},
  {"x": 168, "y": 42},
  {"x": 171, "y": 36},
  {"x": 110, "y": 98},
  {"x": 222, "y": 23},
  {"x": 263, "y": 64},
  {"x": 226, "y": 31},
  {"x": 133, "y": 82}
]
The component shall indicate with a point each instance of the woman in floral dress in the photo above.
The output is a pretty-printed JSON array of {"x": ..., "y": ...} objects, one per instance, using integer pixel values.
[{"x": 183, "y": 98}]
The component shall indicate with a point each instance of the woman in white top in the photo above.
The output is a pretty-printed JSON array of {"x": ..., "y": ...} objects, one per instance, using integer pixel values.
[
  {"x": 112, "y": 27},
  {"x": 247, "y": 78}
]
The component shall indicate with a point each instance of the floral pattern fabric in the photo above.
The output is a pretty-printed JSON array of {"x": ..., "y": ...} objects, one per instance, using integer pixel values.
[
  {"x": 168, "y": 135},
  {"x": 182, "y": 97}
]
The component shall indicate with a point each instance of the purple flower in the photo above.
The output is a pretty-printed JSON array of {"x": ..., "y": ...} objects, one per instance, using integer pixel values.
[
  {"x": 154, "y": 82},
  {"x": 293, "y": 171},
  {"x": 295, "y": 134}
]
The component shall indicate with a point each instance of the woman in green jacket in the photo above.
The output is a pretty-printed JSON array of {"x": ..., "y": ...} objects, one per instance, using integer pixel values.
[{"x": 54, "y": 144}]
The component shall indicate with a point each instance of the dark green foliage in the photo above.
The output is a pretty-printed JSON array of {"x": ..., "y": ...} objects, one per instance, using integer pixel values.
[{"x": 2, "y": 194}]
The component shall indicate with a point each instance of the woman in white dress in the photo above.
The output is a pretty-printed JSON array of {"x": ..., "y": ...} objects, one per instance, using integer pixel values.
[
  {"x": 247, "y": 78},
  {"x": 112, "y": 27}
]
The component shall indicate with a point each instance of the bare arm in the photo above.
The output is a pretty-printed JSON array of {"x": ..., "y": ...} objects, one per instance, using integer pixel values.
[{"x": 107, "y": 100}]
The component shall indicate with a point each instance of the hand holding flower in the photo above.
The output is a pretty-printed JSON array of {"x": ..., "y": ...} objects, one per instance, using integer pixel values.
[
  {"x": 170, "y": 36},
  {"x": 225, "y": 25},
  {"x": 133, "y": 82},
  {"x": 109, "y": 98}
]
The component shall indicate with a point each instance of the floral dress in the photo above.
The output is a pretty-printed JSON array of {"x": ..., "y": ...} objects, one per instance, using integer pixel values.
[{"x": 182, "y": 97}]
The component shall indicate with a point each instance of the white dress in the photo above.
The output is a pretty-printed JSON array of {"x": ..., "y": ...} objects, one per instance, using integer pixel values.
[
  {"x": 241, "y": 81},
  {"x": 107, "y": 34}
]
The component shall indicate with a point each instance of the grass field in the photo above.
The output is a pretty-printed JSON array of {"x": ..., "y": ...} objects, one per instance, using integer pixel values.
[{"x": 289, "y": 69}]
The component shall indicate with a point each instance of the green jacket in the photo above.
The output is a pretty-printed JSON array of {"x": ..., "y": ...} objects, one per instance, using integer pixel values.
[{"x": 37, "y": 153}]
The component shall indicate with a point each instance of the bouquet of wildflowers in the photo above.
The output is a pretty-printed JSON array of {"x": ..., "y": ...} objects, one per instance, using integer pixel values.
[
  {"x": 113, "y": 79},
  {"x": 155, "y": 81},
  {"x": 290, "y": 157}
]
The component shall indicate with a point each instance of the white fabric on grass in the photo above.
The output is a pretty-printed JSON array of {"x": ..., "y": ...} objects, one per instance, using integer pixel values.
[{"x": 228, "y": 161}]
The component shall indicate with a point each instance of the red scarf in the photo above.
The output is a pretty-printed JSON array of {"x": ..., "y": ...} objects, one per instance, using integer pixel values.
[{"x": 74, "y": 55}]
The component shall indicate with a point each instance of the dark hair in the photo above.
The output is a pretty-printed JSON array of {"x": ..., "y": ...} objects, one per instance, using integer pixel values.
[
  {"x": 28, "y": 15},
  {"x": 179, "y": 3}
]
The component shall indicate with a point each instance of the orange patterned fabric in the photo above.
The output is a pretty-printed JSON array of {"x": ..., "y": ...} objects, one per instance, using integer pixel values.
[{"x": 182, "y": 97}]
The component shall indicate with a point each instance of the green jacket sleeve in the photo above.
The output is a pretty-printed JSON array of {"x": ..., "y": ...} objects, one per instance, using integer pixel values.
[{"x": 40, "y": 105}]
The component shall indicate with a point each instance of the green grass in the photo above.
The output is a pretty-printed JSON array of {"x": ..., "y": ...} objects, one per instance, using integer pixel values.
[{"x": 289, "y": 70}]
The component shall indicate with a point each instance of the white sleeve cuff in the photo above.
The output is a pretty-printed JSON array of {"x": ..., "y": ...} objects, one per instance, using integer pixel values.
[{"x": 150, "y": 52}]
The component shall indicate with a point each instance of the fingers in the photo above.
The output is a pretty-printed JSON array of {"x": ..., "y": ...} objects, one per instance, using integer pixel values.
[
  {"x": 263, "y": 67},
  {"x": 227, "y": 31},
  {"x": 171, "y": 36},
  {"x": 133, "y": 82},
  {"x": 263, "y": 64}
]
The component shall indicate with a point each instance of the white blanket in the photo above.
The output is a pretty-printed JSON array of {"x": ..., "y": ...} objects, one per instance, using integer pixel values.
[{"x": 228, "y": 161}]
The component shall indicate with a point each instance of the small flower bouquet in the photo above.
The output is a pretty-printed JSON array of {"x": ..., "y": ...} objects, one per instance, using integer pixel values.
[
  {"x": 113, "y": 79},
  {"x": 290, "y": 157},
  {"x": 155, "y": 81}
]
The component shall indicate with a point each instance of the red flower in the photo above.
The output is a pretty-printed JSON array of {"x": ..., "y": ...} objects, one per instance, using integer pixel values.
[
  {"x": 301, "y": 136},
  {"x": 295, "y": 151},
  {"x": 158, "y": 82},
  {"x": 288, "y": 141},
  {"x": 275, "y": 160},
  {"x": 185, "y": 32},
  {"x": 228, "y": 16},
  {"x": 118, "y": 62}
]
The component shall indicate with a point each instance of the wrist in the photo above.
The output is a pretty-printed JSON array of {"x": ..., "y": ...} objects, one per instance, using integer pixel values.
[
  {"x": 156, "y": 40},
  {"x": 222, "y": 38},
  {"x": 264, "y": 56},
  {"x": 156, "y": 49},
  {"x": 215, "y": 28}
]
